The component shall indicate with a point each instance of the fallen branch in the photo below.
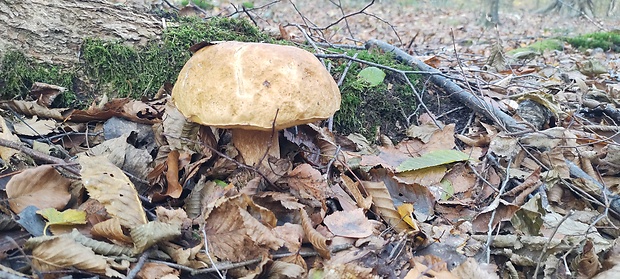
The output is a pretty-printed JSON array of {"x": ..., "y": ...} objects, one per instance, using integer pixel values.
[{"x": 468, "y": 99}]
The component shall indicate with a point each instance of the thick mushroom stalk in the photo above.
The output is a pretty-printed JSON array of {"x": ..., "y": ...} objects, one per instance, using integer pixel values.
[{"x": 254, "y": 146}]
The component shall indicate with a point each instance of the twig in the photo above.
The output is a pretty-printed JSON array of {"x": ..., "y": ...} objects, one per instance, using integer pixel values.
[
  {"x": 544, "y": 251},
  {"x": 466, "y": 98},
  {"x": 39, "y": 155},
  {"x": 497, "y": 200},
  {"x": 204, "y": 236},
  {"x": 141, "y": 261}
]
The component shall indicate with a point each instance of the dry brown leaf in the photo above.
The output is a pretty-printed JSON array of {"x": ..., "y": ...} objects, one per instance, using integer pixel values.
[
  {"x": 183, "y": 256},
  {"x": 109, "y": 185},
  {"x": 258, "y": 232},
  {"x": 385, "y": 205},
  {"x": 125, "y": 156},
  {"x": 339, "y": 270},
  {"x": 174, "y": 189},
  {"x": 45, "y": 94},
  {"x": 282, "y": 269},
  {"x": 471, "y": 269},
  {"x": 58, "y": 253},
  {"x": 587, "y": 262},
  {"x": 353, "y": 187},
  {"x": 34, "y": 126},
  {"x": 318, "y": 241},
  {"x": 176, "y": 217},
  {"x": 42, "y": 187},
  {"x": 291, "y": 234},
  {"x": 308, "y": 184},
  {"x": 111, "y": 229},
  {"x": 349, "y": 223},
  {"x": 345, "y": 201},
  {"x": 152, "y": 270},
  {"x": 426, "y": 177},
  {"x": 226, "y": 233},
  {"x": 30, "y": 108},
  {"x": 503, "y": 212}
]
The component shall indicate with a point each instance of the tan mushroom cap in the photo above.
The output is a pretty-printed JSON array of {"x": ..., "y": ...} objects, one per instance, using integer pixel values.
[{"x": 237, "y": 85}]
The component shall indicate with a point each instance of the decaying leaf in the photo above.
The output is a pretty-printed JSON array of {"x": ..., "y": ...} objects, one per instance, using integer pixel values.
[
  {"x": 307, "y": 184},
  {"x": 58, "y": 253},
  {"x": 42, "y": 187},
  {"x": 349, "y": 223},
  {"x": 111, "y": 187}
]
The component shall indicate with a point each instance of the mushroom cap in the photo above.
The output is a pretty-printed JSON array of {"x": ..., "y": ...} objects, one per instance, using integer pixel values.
[{"x": 237, "y": 85}]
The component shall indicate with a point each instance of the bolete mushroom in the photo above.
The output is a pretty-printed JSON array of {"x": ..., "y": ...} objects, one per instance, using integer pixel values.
[{"x": 254, "y": 89}]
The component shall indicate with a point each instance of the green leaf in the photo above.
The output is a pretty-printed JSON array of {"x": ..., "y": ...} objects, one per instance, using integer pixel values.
[
  {"x": 431, "y": 159},
  {"x": 248, "y": 5},
  {"x": 371, "y": 75}
]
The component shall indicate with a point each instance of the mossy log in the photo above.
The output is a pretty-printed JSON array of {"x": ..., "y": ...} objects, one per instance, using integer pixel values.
[{"x": 53, "y": 31}]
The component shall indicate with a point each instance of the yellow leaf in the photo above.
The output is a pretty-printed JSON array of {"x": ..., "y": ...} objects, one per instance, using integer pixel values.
[
  {"x": 406, "y": 213},
  {"x": 67, "y": 217}
]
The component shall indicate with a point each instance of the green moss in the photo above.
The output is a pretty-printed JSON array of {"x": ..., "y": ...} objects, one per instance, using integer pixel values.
[
  {"x": 120, "y": 70},
  {"x": 604, "y": 40},
  {"x": 366, "y": 109},
  {"x": 18, "y": 74},
  {"x": 539, "y": 47}
]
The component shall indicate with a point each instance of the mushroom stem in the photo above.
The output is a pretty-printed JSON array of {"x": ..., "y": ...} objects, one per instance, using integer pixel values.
[{"x": 253, "y": 145}]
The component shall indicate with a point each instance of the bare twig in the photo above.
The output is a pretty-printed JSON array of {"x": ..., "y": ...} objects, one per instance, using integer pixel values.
[{"x": 39, "y": 155}]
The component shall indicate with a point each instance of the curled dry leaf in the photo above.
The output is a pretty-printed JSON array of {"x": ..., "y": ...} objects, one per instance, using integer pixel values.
[
  {"x": 151, "y": 233},
  {"x": 385, "y": 205},
  {"x": 183, "y": 256},
  {"x": 111, "y": 229},
  {"x": 174, "y": 189},
  {"x": 42, "y": 187},
  {"x": 100, "y": 247},
  {"x": 108, "y": 184},
  {"x": 31, "y": 108},
  {"x": 353, "y": 188},
  {"x": 318, "y": 241}
]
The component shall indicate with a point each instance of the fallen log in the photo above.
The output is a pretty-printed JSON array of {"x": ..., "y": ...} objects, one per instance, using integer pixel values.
[{"x": 53, "y": 31}]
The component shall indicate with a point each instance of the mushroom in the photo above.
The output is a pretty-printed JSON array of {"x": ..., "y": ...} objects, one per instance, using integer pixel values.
[{"x": 255, "y": 89}]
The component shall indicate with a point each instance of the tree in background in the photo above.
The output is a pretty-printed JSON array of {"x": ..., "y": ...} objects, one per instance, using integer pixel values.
[
  {"x": 490, "y": 16},
  {"x": 573, "y": 7}
]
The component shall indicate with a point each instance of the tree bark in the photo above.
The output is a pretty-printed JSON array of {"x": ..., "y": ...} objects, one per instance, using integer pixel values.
[{"x": 53, "y": 31}]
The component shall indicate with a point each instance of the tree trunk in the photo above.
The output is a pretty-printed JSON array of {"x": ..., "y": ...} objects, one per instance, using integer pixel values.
[
  {"x": 490, "y": 16},
  {"x": 53, "y": 31}
]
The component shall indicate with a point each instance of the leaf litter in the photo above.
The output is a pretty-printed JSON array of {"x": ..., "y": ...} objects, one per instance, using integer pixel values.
[{"x": 507, "y": 202}]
